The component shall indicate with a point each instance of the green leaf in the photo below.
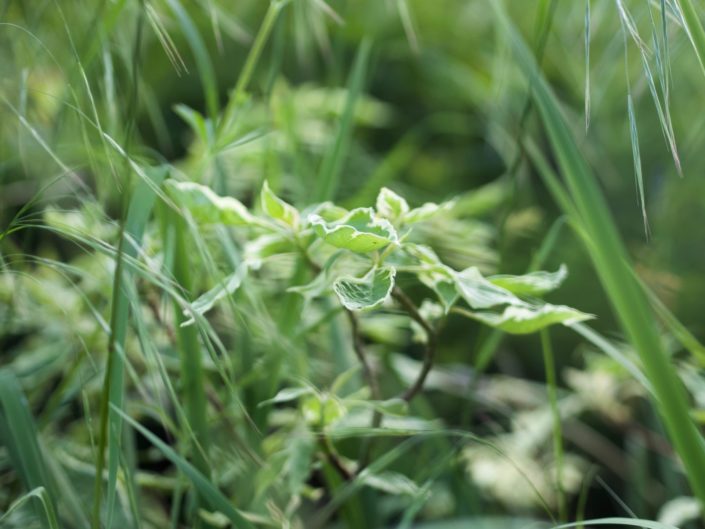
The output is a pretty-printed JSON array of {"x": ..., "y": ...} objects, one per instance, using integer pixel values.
[
  {"x": 426, "y": 211},
  {"x": 366, "y": 292},
  {"x": 330, "y": 212},
  {"x": 259, "y": 249},
  {"x": 359, "y": 231},
  {"x": 480, "y": 293},
  {"x": 276, "y": 208},
  {"x": 434, "y": 274},
  {"x": 533, "y": 284},
  {"x": 390, "y": 205},
  {"x": 527, "y": 319},
  {"x": 208, "y": 208}
]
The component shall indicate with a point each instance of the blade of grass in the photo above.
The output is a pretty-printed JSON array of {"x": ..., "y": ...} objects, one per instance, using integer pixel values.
[
  {"x": 587, "y": 65},
  {"x": 207, "y": 490},
  {"x": 135, "y": 213},
  {"x": 636, "y": 155},
  {"x": 611, "y": 263},
  {"x": 192, "y": 375},
  {"x": 551, "y": 386},
  {"x": 329, "y": 173},
  {"x": 694, "y": 29},
  {"x": 204, "y": 65},
  {"x": 275, "y": 6},
  {"x": 138, "y": 214},
  {"x": 19, "y": 435},
  {"x": 41, "y": 494}
]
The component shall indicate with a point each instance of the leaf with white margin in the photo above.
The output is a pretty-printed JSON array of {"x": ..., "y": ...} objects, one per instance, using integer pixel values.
[
  {"x": 257, "y": 250},
  {"x": 532, "y": 284},
  {"x": 434, "y": 274},
  {"x": 208, "y": 208},
  {"x": 426, "y": 211},
  {"x": 328, "y": 211},
  {"x": 368, "y": 292},
  {"x": 527, "y": 319},
  {"x": 480, "y": 293},
  {"x": 390, "y": 205},
  {"x": 359, "y": 231},
  {"x": 277, "y": 209}
]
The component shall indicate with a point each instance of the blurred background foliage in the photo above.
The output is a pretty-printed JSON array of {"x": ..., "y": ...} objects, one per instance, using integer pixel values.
[{"x": 438, "y": 117}]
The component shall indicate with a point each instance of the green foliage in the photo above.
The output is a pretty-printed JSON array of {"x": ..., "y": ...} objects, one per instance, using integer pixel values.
[{"x": 289, "y": 264}]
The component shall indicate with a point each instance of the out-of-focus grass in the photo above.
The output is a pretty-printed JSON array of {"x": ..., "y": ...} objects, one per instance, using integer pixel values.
[{"x": 333, "y": 100}]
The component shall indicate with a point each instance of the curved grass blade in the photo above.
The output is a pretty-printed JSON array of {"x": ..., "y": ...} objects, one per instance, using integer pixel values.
[
  {"x": 694, "y": 28},
  {"x": 41, "y": 494},
  {"x": 611, "y": 263},
  {"x": 329, "y": 174},
  {"x": 207, "y": 490},
  {"x": 19, "y": 435},
  {"x": 203, "y": 62},
  {"x": 139, "y": 211}
]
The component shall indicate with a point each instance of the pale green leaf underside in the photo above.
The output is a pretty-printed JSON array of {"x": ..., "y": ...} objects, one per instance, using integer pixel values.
[
  {"x": 527, "y": 319},
  {"x": 480, "y": 293},
  {"x": 426, "y": 212},
  {"x": 532, "y": 284},
  {"x": 390, "y": 205},
  {"x": 366, "y": 292},
  {"x": 277, "y": 209}
]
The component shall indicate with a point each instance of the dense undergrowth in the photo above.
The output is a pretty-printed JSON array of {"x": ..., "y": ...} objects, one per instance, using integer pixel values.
[{"x": 385, "y": 263}]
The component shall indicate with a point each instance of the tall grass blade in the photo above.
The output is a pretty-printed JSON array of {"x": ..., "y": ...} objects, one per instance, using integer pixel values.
[
  {"x": 193, "y": 394},
  {"x": 329, "y": 174},
  {"x": 611, "y": 263},
  {"x": 587, "y": 65},
  {"x": 40, "y": 494},
  {"x": 139, "y": 211},
  {"x": 694, "y": 29},
  {"x": 19, "y": 435},
  {"x": 204, "y": 64},
  {"x": 636, "y": 155}
]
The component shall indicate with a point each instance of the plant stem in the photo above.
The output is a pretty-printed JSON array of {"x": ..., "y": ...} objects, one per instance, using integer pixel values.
[
  {"x": 275, "y": 6},
  {"x": 359, "y": 348},
  {"x": 551, "y": 387},
  {"x": 431, "y": 343},
  {"x": 192, "y": 376}
]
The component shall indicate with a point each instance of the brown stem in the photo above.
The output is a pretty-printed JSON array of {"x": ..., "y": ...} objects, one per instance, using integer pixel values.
[
  {"x": 431, "y": 342},
  {"x": 359, "y": 348},
  {"x": 370, "y": 378},
  {"x": 334, "y": 459}
]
